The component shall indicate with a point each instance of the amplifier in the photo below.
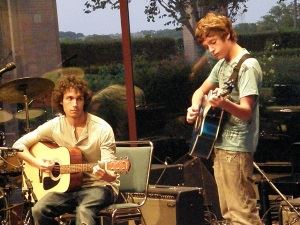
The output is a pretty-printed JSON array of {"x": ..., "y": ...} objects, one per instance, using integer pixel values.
[
  {"x": 172, "y": 205},
  {"x": 287, "y": 215},
  {"x": 189, "y": 171}
]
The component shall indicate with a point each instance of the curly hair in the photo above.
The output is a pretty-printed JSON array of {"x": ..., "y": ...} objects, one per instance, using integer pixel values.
[
  {"x": 214, "y": 23},
  {"x": 64, "y": 84}
]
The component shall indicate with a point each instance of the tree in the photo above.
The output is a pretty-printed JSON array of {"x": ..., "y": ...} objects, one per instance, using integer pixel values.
[
  {"x": 280, "y": 18},
  {"x": 246, "y": 28},
  {"x": 71, "y": 35},
  {"x": 179, "y": 12}
]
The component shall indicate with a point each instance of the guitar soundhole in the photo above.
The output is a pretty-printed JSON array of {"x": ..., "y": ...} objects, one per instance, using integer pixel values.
[{"x": 56, "y": 170}]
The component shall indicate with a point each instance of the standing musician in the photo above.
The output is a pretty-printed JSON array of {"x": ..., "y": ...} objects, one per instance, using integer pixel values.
[
  {"x": 93, "y": 136},
  {"x": 238, "y": 137}
]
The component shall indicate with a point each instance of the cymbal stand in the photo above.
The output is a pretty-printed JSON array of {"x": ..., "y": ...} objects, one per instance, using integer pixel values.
[
  {"x": 277, "y": 190},
  {"x": 28, "y": 216},
  {"x": 27, "y": 129},
  {"x": 23, "y": 88}
]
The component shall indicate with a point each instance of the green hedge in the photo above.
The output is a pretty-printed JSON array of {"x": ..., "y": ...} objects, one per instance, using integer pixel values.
[
  {"x": 265, "y": 41},
  {"x": 164, "y": 82},
  {"x": 89, "y": 54}
]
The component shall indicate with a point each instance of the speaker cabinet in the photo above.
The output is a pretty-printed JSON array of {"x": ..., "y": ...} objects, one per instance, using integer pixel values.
[
  {"x": 172, "y": 205},
  {"x": 189, "y": 171}
]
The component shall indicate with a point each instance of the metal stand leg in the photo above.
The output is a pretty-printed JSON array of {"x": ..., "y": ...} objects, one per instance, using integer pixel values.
[
  {"x": 264, "y": 201},
  {"x": 276, "y": 189},
  {"x": 28, "y": 220}
]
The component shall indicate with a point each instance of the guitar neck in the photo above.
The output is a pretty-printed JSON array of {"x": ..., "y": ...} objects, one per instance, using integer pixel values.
[
  {"x": 75, "y": 168},
  {"x": 87, "y": 167}
]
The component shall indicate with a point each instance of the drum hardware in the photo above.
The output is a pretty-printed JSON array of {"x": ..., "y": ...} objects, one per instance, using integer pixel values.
[
  {"x": 24, "y": 89},
  {"x": 2, "y": 139},
  {"x": 7, "y": 210},
  {"x": 5, "y": 116},
  {"x": 7, "y": 207},
  {"x": 33, "y": 113},
  {"x": 8, "y": 168},
  {"x": 4, "y": 212},
  {"x": 21, "y": 90},
  {"x": 28, "y": 201}
]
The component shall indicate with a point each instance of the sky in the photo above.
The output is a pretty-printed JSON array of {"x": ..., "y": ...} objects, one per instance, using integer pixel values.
[{"x": 72, "y": 18}]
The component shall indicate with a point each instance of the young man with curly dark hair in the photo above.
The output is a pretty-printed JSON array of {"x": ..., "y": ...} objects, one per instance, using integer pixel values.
[{"x": 75, "y": 127}]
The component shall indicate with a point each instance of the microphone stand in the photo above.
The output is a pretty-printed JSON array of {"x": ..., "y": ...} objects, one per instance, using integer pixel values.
[
  {"x": 29, "y": 203},
  {"x": 163, "y": 172},
  {"x": 277, "y": 190}
]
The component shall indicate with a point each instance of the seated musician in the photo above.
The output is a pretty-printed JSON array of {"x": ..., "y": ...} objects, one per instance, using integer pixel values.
[{"x": 89, "y": 133}]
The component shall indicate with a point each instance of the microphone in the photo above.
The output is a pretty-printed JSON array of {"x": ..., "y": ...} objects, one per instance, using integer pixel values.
[
  {"x": 8, "y": 67},
  {"x": 9, "y": 149}
]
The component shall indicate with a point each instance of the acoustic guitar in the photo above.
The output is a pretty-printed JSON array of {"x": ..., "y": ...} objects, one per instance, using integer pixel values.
[
  {"x": 208, "y": 124},
  {"x": 66, "y": 174}
]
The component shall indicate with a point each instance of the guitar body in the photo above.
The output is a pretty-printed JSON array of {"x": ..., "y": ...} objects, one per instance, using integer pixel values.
[
  {"x": 206, "y": 132},
  {"x": 66, "y": 174},
  {"x": 208, "y": 123},
  {"x": 43, "y": 182}
]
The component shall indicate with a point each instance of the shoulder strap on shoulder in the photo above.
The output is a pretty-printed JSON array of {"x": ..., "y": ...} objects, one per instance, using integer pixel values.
[{"x": 236, "y": 69}]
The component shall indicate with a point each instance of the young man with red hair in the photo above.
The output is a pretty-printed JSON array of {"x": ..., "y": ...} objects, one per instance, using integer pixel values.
[{"x": 238, "y": 136}]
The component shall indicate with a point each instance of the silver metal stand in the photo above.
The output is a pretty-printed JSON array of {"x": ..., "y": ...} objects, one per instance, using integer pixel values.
[{"x": 277, "y": 190}]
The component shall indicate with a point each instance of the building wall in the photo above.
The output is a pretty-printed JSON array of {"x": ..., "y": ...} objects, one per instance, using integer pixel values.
[
  {"x": 29, "y": 36},
  {"x": 29, "y": 30}
]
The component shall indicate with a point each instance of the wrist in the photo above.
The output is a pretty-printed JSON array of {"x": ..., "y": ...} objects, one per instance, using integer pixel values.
[{"x": 224, "y": 103}]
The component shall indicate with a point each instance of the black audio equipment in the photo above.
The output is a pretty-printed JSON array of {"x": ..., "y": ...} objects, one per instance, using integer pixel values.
[
  {"x": 189, "y": 171},
  {"x": 168, "y": 148},
  {"x": 172, "y": 205}
]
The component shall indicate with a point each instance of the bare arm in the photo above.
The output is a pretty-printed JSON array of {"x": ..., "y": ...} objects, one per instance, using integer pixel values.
[
  {"x": 108, "y": 153},
  {"x": 243, "y": 110}
]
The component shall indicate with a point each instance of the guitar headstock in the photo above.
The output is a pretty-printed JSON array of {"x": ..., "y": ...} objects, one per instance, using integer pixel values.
[{"x": 119, "y": 166}]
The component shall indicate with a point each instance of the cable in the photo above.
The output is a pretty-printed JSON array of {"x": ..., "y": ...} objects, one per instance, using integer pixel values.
[{"x": 267, "y": 211}]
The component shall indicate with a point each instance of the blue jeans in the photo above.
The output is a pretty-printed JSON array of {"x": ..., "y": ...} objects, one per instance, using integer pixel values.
[{"x": 87, "y": 202}]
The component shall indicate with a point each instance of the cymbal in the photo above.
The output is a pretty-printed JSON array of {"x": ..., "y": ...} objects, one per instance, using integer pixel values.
[
  {"x": 14, "y": 91},
  {"x": 5, "y": 116},
  {"x": 33, "y": 113}
]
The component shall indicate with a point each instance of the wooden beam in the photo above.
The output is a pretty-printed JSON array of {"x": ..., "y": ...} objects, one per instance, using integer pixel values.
[{"x": 127, "y": 60}]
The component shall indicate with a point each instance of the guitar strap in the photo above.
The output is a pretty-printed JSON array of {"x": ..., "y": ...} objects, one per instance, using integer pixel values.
[
  {"x": 234, "y": 76},
  {"x": 236, "y": 69}
]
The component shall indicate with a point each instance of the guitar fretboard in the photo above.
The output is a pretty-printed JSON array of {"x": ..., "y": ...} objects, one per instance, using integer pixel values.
[{"x": 74, "y": 168}]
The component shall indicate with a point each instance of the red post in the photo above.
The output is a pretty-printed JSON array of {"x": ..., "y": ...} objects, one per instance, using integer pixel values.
[{"x": 127, "y": 60}]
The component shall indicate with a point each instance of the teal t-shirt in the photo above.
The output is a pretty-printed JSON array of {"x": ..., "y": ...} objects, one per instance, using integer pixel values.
[{"x": 236, "y": 134}]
